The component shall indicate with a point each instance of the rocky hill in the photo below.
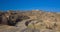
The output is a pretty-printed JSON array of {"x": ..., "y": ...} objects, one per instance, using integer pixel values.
[{"x": 29, "y": 21}]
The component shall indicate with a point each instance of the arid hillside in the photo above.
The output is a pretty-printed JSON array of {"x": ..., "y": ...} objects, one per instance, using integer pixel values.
[{"x": 29, "y": 21}]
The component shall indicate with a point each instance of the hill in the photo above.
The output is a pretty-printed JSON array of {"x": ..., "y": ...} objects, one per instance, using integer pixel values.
[{"x": 29, "y": 21}]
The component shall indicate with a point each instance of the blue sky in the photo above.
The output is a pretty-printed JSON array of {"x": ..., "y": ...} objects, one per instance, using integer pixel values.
[{"x": 47, "y": 5}]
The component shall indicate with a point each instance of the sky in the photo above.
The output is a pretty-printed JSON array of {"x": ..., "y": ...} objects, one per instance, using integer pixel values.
[{"x": 46, "y": 5}]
